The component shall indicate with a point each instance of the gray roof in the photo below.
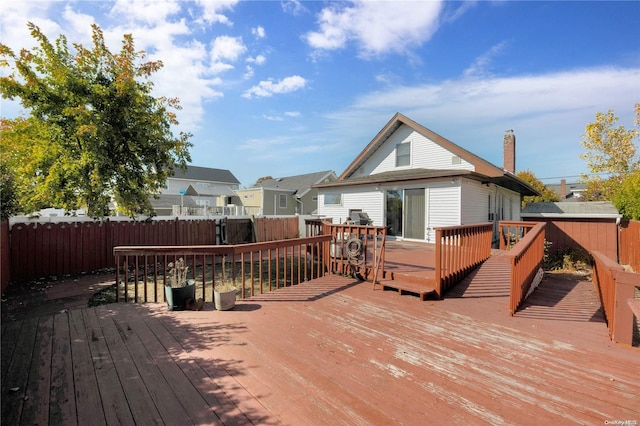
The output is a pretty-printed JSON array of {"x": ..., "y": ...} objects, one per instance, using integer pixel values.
[
  {"x": 571, "y": 189},
  {"x": 300, "y": 183},
  {"x": 165, "y": 201},
  {"x": 585, "y": 209},
  {"x": 206, "y": 174}
]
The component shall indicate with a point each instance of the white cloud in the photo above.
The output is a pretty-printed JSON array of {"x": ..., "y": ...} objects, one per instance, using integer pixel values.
[
  {"x": 377, "y": 27},
  {"x": 227, "y": 48},
  {"x": 258, "y": 60},
  {"x": 211, "y": 11},
  {"x": 147, "y": 11},
  {"x": 294, "y": 7},
  {"x": 292, "y": 113},
  {"x": 258, "y": 32},
  {"x": 267, "y": 88},
  {"x": 480, "y": 66}
]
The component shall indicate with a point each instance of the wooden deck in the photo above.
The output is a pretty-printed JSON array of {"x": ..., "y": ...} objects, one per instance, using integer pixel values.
[{"x": 330, "y": 351}]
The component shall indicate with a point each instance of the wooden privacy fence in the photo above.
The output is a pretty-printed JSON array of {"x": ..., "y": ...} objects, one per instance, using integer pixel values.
[
  {"x": 273, "y": 229},
  {"x": 39, "y": 250},
  {"x": 616, "y": 291},
  {"x": 526, "y": 259},
  {"x": 459, "y": 249},
  {"x": 629, "y": 244},
  {"x": 141, "y": 272}
]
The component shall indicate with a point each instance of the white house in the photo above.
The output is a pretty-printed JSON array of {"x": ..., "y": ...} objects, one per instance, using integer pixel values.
[
  {"x": 196, "y": 191},
  {"x": 412, "y": 180}
]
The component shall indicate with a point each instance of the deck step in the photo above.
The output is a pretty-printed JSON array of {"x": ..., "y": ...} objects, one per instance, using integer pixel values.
[{"x": 422, "y": 290}]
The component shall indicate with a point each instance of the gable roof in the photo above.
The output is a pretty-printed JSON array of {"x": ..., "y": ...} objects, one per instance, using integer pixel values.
[
  {"x": 205, "y": 174},
  {"x": 484, "y": 170},
  {"x": 583, "y": 209},
  {"x": 300, "y": 184},
  {"x": 481, "y": 166}
]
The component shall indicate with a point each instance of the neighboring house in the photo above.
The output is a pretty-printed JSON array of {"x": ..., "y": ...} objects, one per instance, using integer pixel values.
[
  {"x": 412, "y": 180},
  {"x": 197, "y": 191},
  {"x": 286, "y": 195},
  {"x": 569, "y": 191},
  {"x": 591, "y": 225}
]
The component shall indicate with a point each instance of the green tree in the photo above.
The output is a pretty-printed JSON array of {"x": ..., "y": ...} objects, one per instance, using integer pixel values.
[
  {"x": 95, "y": 134},
  {"x": 627, "y": 197},
  {"x": 611, "y": 151},
  {"x": 8, "y": 203},
  {"x": 546, "y": 194}
]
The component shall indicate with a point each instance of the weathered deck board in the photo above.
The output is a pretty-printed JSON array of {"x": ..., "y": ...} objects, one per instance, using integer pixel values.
[
  {"x": 88, "y": 402},
  {"x": 35, "y": 409},
  {"x": 114, "y": 401},
  {"x": 19, "y": 361}
]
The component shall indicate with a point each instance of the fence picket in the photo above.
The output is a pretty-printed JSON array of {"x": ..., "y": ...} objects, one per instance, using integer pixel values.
[{"x": 37, "y": 250}]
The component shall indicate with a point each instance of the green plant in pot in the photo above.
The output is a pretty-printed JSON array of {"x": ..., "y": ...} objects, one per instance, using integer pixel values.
[{"x": 178, "y": 290}]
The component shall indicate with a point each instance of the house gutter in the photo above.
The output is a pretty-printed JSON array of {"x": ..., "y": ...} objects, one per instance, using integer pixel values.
[
  {"x": 617, "y": 217},
  {"x": 301, "y": 204}
]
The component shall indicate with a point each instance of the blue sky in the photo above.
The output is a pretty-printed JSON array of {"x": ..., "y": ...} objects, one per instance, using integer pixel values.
[{"x": 282, "y": 88}]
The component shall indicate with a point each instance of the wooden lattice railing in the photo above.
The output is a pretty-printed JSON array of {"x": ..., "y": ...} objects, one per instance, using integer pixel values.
[
  {"x": 526, "y": 258},
  {"x": 142, "y": 271}
]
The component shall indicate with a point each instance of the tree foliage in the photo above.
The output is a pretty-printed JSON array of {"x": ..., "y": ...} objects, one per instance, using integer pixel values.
[
  {"x": 627, "y": 197},
  {"x": 95, "y": 134},
  {"x": 262, "y": 179},
  {"x": 611, "y": 151},
  {"x": 546, "y": 194}
]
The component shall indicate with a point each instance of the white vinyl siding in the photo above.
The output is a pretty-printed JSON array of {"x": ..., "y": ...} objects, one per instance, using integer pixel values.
[
  {"x": 475, "y": 199},
  {"x": 505, "y": 204},
  {"x": 366, "y": 199},
  {"x": 425, "y": 154},
  {"x": 443, "y": 207}
]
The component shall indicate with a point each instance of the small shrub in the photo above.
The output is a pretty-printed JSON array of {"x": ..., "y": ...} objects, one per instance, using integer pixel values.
[{"x": 569, "y": 259}]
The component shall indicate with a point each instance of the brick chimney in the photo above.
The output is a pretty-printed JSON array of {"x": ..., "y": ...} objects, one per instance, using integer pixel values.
[
  {"x": 563, "y": 189},
  {"x": 509, "y": 151}
]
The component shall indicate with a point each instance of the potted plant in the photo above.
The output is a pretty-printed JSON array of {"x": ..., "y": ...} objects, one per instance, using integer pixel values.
[
  {"x": 179, "y": 291},
  {"x": 224, "y": 296}
]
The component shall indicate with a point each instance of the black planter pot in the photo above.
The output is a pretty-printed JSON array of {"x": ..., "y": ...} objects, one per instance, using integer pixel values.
[{"x": 177, "y": 296}]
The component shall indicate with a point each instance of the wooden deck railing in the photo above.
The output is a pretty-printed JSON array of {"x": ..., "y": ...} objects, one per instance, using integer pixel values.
[
  {"x": 357, "y": 249},
  {"x": 459, "y": 249},
  {"x": 526, "y": 258},
  {"x": 616, "y": 291},
  {"x": 512, "y": 232},
  {"x": 141, "y": 271}
]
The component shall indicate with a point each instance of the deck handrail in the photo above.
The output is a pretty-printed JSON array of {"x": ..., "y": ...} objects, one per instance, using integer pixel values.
[
  {"x": 459, "y": 249},
  {"x": 267, "y": 265},
  {"x": 615, "y": 288},
  {"x": 511, "y": 232},
  {"x": 526, "y": 258}
]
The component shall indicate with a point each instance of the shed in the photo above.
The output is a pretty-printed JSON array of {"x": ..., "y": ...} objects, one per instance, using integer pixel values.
[{"x": 589, "y": 225}]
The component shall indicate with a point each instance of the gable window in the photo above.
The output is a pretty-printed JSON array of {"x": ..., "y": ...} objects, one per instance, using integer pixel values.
[
  {"x": 333, "y": 199},
  {"x": 282, "y": 201},
  {"x": 403, "y": 154}
]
